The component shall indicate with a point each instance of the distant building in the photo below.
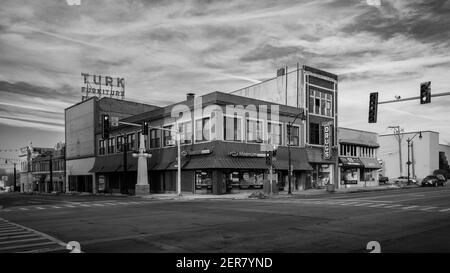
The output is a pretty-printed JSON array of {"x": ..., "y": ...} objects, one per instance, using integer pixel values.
[
  {"x": 26, "y": 179},
  {"x": 426, "y": 154},
  {"x": 48, "y": 170},
  {"x": 358, "y": 158}
]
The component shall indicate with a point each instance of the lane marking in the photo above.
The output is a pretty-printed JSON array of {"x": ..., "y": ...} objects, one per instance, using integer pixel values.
[
  {"x": 40, "y": 208},
  {"x": 24, "y": 209},
  {"x": 444, "y": 210},
  {"x": 56, "y": 207}
]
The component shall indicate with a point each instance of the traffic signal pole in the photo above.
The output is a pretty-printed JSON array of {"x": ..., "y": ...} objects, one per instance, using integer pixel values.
[{"x": 414, "y": 98}]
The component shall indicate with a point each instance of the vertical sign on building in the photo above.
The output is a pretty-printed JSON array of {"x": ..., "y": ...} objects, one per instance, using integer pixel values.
[{"x": 326, "y": 140}]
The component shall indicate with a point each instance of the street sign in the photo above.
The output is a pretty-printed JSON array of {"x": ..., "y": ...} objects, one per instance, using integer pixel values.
[
  {"x": 114, "y": 121},
  {"x": 267, "y": 147}
]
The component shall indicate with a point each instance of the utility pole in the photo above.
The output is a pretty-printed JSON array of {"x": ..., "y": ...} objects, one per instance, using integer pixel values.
[
  {"x": 51, "y": 172},
  {"x": 15, "y": 176},
  {"x": 125, "y": 163},
  {"x": 397, "y": 130}
]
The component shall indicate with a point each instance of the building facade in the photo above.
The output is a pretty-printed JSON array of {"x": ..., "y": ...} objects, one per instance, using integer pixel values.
[
  {"x": 48, "y": 171},
  {"x": 28, "y": 153},
  {"x": 221, "y": 139},
  {"x": 82, "y": 123},
  {"x": 425, "y": 154},
  {"x": 316, "y": 91},
  {"x": 359, "y": 165}
]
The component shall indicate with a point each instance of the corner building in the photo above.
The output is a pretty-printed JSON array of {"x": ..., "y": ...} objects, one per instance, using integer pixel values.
[{"x": 222, "y": 136}]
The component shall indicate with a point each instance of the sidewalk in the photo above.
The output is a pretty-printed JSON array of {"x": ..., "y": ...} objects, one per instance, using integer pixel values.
[{"x": 256, "y": 194}]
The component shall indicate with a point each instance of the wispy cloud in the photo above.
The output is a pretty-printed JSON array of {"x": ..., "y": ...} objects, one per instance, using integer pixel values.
[{"x": 165, "y": 49}]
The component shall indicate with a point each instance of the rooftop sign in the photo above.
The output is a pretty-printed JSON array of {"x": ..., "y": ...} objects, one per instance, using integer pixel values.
[{"x": 102, "y": 86}]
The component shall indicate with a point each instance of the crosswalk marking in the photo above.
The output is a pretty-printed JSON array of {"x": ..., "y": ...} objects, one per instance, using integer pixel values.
[
  {"x": 362, "y": 204},
  {"x": 429, "y": 208},
  {"x": 17, "y": 238},
  {"x": 393, "y": 206},
  {"x": 410, "y": 207},
  {"x": 377, "y": 205}
]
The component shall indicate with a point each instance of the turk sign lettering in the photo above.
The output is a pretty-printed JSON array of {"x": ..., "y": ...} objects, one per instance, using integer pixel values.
[{"x": 97, "y": 85}]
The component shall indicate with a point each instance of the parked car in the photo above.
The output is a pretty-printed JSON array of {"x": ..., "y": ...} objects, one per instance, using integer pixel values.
[
  {"x": 434, "y": 180},
  {"x": 404, "y": 179},
  {"x": 383, "y": 179}
]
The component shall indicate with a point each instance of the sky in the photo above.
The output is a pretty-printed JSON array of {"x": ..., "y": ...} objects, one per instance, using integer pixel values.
[{"x": 165, "y": 49}]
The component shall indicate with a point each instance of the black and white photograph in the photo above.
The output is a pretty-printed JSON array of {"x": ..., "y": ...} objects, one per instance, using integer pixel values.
[{"x": 207, "y": 128}]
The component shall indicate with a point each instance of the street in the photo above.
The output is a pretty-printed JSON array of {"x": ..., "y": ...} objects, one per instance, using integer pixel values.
[{"x": 409, "y": 220}]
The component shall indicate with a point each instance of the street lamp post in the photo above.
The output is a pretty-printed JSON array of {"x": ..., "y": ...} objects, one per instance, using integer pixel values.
[{"x": 409, "y": 145}]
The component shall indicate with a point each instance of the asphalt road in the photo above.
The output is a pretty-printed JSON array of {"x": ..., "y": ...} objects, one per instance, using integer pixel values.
[{"x": 410, "y": 220}]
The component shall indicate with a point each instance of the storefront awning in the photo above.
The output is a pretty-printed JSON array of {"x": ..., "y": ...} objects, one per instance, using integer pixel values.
[
  {"x": 360, "y": 142},
  {"x": 105, "y": 164},
  {"x": 350, "y": 162},
  {"x": 370, "y": 163}
]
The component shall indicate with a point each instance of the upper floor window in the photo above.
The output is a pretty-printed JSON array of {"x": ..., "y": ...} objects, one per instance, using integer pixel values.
[
  {"x": 111, "y": 144},
  {"x": 202, "y": 129},
  {"x": 294, "y": 135},
  {"x": 120, "y": 143},
  {"x": 232, "y": 128},
  {"x": 131, "y": 141},
  {"x": 320, "y": 103},
  {"x": 185, "y": 130},
  {"x": 155, "y": 138},
  {"x": 274, "y": 131},
  {"x": 255, "y": 131},
  {"x": 168, "y": 136},
  {"x": 314, "y": 133},
  {"x": 101, "y": 147}
]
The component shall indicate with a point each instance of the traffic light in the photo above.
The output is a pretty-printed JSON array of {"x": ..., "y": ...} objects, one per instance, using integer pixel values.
[
  {"x": 274, "y": 153},
  {"x": 268, "y": 158},
  {"x": 425, "y": 92},
  {"x": 144, "y": 128},
  {"x": 373, "y": 107},
  {"x": 105, "y": 126}
]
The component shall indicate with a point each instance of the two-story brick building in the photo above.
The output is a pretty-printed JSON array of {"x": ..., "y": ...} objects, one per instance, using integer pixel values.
[{"x": 221, "y": 138}]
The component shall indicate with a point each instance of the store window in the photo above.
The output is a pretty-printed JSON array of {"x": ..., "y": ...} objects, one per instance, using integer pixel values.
[
  {"x": 101, "y": 147},
  {"x": 168, "y": 139},
  {"x": 185, "y": 130},
  {"x": 203, "y": 179},
  {"x": 349, "y": 176},
  {"x": 274, "y": 131},
  {"x": 111, "y": 145},
  {"x": 255, "y": 131},
  {"x": 202, "y": 130},
  {"x": 131, "y": 141},
  {"x": 294, "y": 135},
  {"x": 232, "y": 129},
  {"x": 251, "y": 179},
  {"x": 155, "y": 138}
]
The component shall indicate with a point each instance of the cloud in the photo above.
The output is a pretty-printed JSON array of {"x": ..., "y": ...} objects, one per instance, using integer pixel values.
[{"x": 165, "y": 49}]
